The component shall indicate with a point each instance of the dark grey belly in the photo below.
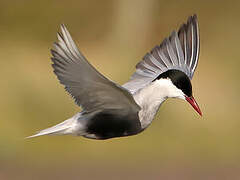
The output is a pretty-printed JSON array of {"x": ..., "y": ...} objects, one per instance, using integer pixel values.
[{"x": 106, "y": 125}]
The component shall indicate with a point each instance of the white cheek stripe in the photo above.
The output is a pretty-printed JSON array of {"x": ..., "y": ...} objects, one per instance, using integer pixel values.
[{"x": 151, "y": 97}]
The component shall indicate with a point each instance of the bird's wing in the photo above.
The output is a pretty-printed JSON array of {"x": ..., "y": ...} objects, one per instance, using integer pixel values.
[
  {"x": 90, "y": 89},
  {"x": 179, "y": 51}
]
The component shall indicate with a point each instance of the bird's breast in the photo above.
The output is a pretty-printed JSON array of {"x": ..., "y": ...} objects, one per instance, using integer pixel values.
[
  {"x": 107, "y": 124},
  {"x": 149, "y": 99}
]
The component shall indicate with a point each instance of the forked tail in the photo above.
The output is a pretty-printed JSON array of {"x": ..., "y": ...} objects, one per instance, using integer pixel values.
[{"x": 69, "y": 126}]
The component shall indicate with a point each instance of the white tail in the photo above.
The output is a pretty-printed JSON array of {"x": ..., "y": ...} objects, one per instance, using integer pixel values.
[{"x": 69, "y": 126}]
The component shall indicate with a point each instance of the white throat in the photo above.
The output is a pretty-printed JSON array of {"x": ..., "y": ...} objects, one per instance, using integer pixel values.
[{"x": 151, "y": 97}]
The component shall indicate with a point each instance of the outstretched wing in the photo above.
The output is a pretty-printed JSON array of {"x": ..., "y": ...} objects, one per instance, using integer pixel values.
[
  {"x": 179, "y": 51},
  {"x": 90, "y": 89}
]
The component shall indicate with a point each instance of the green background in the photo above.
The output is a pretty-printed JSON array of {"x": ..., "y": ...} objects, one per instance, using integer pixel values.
[{"x": 114, "y": 36}]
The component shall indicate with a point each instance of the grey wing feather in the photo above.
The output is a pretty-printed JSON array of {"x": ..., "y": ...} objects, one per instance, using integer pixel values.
[
  {"x": 90, "y": 89},
  {"x": 179, "y": 51}
]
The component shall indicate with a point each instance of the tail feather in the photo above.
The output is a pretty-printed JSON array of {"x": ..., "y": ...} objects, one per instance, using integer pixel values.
[{"x": 69, "y": 126}]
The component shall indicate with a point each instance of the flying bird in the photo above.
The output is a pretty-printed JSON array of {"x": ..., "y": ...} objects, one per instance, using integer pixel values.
[{"x": 110, "y": 110}]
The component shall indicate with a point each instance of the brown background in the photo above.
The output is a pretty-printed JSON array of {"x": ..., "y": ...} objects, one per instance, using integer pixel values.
[{"x": 114, "y": 36}]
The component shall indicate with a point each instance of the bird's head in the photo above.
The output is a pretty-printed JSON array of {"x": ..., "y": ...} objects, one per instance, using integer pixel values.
[{"x": 180, "y": 87}]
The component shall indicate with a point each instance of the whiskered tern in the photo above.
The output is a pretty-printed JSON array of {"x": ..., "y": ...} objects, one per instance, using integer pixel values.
[{"x": 110, "y": 110}]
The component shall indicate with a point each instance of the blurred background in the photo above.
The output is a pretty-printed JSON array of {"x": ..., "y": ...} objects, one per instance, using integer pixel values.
[{"x": 114, "y": 36}]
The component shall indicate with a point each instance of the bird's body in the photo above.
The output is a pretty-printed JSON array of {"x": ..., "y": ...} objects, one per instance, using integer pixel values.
[{"x": 111, "y": 110}]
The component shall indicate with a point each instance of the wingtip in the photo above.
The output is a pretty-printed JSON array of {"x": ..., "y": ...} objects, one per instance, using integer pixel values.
[
  {"x": 59, "y": 36},
  {"x": 62, "y": 26},
  {"x": 194, "y": 16},
  {"x": 63, "y": 29},
  {"x": 192, "y": 19},
  {"x": 53, "y": 52},
  {"x": 174, "y": 33}
]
